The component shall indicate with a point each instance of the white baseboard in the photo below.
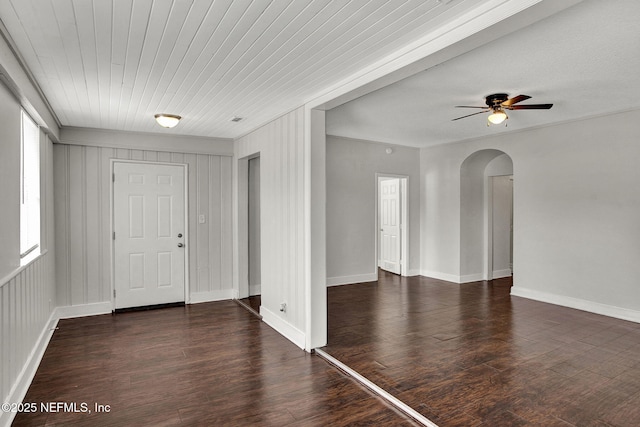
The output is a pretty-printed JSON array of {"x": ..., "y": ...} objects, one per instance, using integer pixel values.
[
  {"x": 283, "y": 327},
  {"x": 71, "y": 311},
  {"x": 21, "y": 386},
  {"x": 468, "y": 278},
  {"x": 579, "y": 304},
  {"x": 210, "y": 296},
  {"x": 412, "y": 273},
  {"x": 349, "y": 280},
  {"x": 499, "y": 274},
  {"x": 441, "y": 276},
  {"x": 255, "y": 290}
]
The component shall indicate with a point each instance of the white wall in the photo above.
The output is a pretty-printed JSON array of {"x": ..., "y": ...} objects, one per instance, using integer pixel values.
[
  {"x": 10, "y": 179},
  {"x": 282, "y": 210},
  {"x": 82, "y": 180},
  {"x": 26, "y": 307},
  {"x": 12, "y": 74},
  {"x": 27, "y": 293},
  {"x": 576, "y": 210},
  {"x": 499, "y": 166},
  {"x": 351, "y": 205}
]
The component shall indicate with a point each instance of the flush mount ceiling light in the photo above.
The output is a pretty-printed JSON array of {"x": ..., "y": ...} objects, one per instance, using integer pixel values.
[{"x": 167, "y": 120}]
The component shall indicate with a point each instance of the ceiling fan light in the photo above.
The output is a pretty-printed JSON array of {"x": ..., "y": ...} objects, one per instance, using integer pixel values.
[
  {"x": 167, "y": 120},
  {"x": 497, "y": 117}
]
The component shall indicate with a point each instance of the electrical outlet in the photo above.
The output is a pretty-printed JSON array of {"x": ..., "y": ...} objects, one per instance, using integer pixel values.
[{"x": 283, "y": 307}]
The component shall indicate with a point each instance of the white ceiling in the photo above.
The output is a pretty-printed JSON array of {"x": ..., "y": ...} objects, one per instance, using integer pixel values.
[
  {"x": 585, "y": 60},
  {"x": 112, "y": 64}
]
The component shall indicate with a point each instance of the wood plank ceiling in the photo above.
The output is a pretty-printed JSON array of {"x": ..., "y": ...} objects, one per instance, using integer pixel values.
[{"x": 112, "y": 64}]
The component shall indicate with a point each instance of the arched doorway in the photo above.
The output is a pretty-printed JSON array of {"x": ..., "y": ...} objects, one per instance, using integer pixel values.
[{"x": 486, "y": 216}]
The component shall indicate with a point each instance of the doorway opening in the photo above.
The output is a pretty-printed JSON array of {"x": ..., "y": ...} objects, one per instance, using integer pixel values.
[
  {"x": 500, "y": 227},
  {"x": 249, "y": 292},
  {"x": 486, "y": 216},
  {"x": 255, "y": 284},
  {"x": 392, "y": 248}
]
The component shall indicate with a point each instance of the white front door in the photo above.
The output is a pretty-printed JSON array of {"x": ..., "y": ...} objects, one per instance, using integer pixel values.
[
  {"x": 149, "y": 226},
  {"x": 390, "y": 225}
]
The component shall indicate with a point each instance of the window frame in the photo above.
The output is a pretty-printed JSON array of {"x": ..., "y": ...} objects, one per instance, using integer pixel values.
[{"x": 30, "y": 191}]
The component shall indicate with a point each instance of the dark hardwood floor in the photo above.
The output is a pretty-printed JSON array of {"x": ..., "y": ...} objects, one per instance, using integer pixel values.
[
  {"x": 472, "y": 355},
  {"x": 462, "y": 355},
  {"x": 253, "y": 302},
  {"x": 212, "y": 364}
]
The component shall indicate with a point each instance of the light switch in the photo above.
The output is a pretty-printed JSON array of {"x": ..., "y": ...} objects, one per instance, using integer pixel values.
[{"x": 202, "y": 219}]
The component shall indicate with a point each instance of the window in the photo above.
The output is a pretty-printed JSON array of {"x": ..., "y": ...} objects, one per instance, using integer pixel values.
[{"x": 29, "y": 187}]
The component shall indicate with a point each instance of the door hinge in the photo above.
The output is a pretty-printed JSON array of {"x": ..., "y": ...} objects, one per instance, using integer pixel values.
[
  {"x": 113, "y": 177},
  {"x": 114, "y": 293},
  {"x": 114, "y": 235}
]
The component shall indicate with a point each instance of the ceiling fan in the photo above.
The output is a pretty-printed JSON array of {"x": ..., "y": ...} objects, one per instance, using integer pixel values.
[{"x": 498, "y": 102}]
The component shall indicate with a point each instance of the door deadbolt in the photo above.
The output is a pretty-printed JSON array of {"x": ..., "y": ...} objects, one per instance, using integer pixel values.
[{"x": 179, "y": 234}]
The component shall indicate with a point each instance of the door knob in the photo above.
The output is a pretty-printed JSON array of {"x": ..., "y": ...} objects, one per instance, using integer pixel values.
[
  {"x": 180, "y": 245},
  {"x": 179, "y": 234}
]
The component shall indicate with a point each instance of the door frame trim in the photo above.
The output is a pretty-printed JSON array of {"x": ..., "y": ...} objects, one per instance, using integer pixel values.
[
  {"x": 404, "y": 218},
  {"x": 185, "y": 167}
]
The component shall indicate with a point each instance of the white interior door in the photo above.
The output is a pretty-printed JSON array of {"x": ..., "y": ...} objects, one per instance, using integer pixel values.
[
  {"x": 390, "y": 225},
  {"x": 149, "y": 225}
]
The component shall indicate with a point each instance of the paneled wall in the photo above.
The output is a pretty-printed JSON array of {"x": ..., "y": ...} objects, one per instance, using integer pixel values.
[
  {"x": 83, "y": 222},
  {"x": 280, "y": 144},
  {"x": 27, "y": 293},
  {"x": 26, "y": 304},
  {"x": 27, "y": 299}
]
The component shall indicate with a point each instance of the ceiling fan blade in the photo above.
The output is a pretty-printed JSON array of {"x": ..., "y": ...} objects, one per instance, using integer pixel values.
[
  {"x": 515, "y": 100},
  {"x": 531, "y": 107},
  {"x": 470, "y": 106},
  {"x": 469, "y": 115}
]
